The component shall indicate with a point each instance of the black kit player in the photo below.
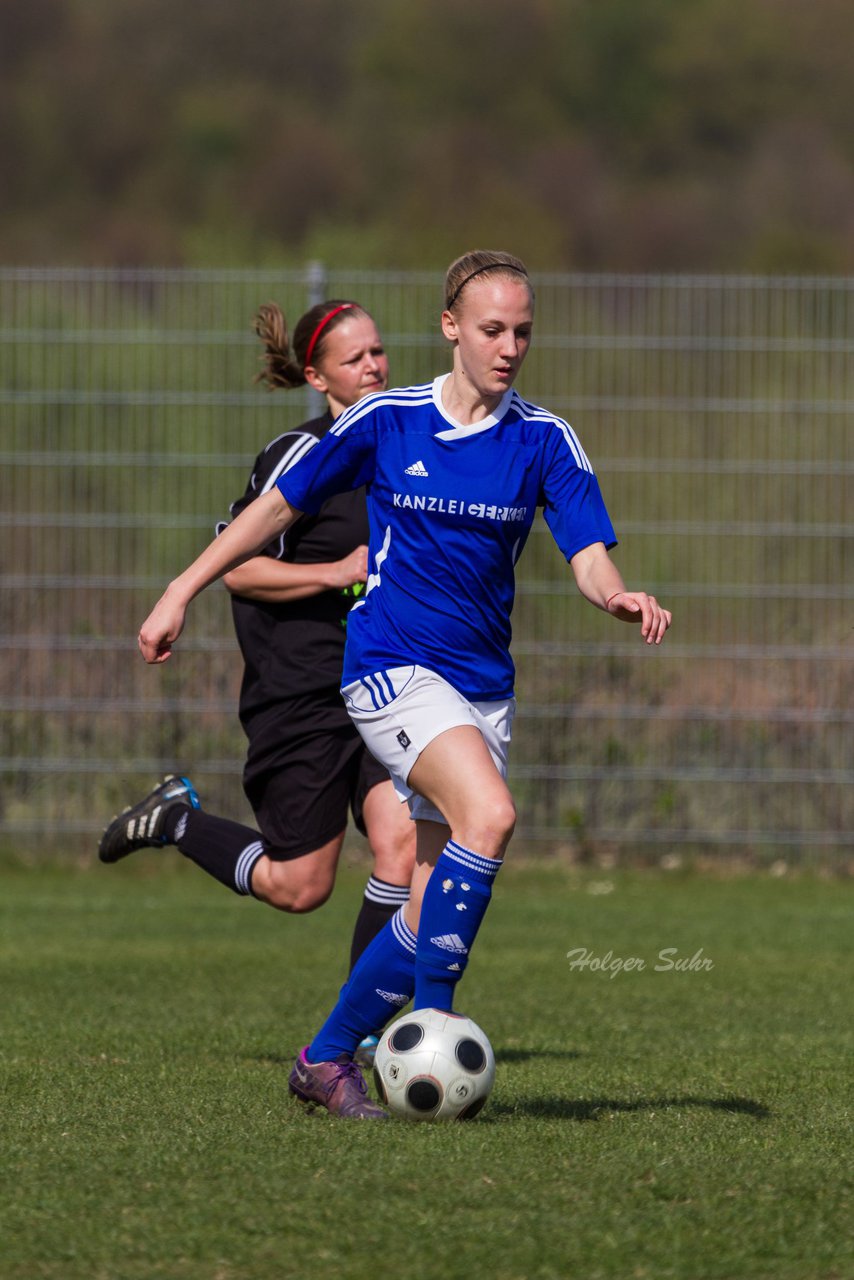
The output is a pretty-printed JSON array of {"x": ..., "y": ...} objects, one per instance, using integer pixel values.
[{"x": 306, "y": 766}]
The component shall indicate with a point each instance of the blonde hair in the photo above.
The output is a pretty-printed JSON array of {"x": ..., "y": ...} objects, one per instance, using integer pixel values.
[{"x": 474, "y": 264}]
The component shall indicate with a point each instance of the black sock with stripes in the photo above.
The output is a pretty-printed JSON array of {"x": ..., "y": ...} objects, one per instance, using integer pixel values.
[
  {"x": 379, "y": 904},
  {"x": 227, "y": 850}
]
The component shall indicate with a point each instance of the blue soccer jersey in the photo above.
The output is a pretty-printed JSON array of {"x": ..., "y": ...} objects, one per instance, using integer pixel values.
[{"x": 450, "y": 509}]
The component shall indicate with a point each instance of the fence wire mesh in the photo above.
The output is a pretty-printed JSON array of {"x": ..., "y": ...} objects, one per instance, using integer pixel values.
[{"x": 717, "y": 413}]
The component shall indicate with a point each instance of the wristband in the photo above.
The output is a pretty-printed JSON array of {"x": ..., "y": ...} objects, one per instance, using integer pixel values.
[{"x": 613, "y": 597}]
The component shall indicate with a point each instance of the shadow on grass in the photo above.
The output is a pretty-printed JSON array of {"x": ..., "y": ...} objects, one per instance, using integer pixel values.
[
  {"x": 503, "y": 1056},
  {"x": 595, "y": 1108}
]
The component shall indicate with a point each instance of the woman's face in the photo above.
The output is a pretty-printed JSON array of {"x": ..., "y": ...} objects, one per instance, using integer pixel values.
[
  {"x": 491, "y": 326},
  {"x": 352, "y": 365}
]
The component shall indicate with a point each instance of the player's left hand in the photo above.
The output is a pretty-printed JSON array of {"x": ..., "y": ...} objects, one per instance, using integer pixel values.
[{"x": 637, "y": 606}]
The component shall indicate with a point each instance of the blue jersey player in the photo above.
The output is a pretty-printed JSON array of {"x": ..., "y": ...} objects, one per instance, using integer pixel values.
[{"x": 455, "y": 471}]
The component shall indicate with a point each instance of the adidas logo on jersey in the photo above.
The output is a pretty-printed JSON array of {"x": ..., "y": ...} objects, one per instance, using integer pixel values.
[
  {"x": 451, "y": 942},
  {"x": 417, "y": 469}
]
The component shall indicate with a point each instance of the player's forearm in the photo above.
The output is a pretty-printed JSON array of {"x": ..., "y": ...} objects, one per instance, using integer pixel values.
[
  {"x": 601, "y": 583},
  {"x": 597, "y": 577},
  {"x": 260, "y": 523},
  {"x": 277, "y": 582}
]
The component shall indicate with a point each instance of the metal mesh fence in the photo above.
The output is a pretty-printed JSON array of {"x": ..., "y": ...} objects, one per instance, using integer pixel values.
[{"x": 717, "y": 414}]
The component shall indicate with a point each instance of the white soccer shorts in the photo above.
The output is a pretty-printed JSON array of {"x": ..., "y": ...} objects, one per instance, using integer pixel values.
[{"x": 400, "y": 711}]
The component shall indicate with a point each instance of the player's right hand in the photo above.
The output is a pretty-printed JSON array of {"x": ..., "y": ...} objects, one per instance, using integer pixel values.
[
  {"x": 161, "y": 629},
  {"x": 353, "y": 568}
]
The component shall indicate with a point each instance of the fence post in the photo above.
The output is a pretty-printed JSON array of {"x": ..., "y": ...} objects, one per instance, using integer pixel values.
[{"x": 316, "y": 281}]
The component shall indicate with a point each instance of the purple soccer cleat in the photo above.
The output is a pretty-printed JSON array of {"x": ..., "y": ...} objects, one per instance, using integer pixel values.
[{"x": 337, "y": 1086}]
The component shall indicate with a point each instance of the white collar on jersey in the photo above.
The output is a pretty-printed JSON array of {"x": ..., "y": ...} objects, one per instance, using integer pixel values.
[{"x": 457, "y": 430}]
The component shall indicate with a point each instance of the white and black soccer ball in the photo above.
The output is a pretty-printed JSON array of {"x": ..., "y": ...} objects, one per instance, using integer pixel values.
[{"x": 432, "y": 1065}]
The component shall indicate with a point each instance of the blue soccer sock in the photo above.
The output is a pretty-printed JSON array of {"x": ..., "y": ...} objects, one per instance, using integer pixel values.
[
  {"x": 380, "y": 985},
  {"x": 455, "y": 901}
]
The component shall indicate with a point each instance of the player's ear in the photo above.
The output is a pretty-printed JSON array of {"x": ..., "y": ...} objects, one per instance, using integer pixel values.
[
  {"x": 315, "y": 379},
  {"x": 449, "y": 326}
]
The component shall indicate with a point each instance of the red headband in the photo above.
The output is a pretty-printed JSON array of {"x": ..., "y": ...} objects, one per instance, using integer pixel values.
[{"x": 345, "y": 306}]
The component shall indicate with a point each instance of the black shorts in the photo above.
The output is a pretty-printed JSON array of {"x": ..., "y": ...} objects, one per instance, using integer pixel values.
[{"x": 307, "y": 770}]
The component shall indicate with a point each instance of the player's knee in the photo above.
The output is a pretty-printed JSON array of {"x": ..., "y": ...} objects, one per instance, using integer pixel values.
[
  {"x": 490, "y": 824},
  {"x": 287, "y": 890},
  {"x": 503, "y": 819},
  {"x": 299, "y": 900},
  {"x": 308, "y": 898},
  {"x": 394, "y": 858}
]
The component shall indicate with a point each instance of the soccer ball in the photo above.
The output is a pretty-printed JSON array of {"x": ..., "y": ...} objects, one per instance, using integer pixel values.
[{"x": 431, "y": 1065}]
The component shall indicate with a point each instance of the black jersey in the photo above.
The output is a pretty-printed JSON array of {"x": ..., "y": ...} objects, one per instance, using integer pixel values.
[{"x": 291, "y": 649}]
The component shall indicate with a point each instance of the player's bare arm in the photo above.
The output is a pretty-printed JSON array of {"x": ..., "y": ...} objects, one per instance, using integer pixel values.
[
  {"x": 277, "y": 581},
  {"x": 262, "y": 521},
  {"x": 600, "y": 581}
]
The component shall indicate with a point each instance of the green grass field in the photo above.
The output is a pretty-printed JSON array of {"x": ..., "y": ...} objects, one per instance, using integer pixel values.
[{"x": 656, "y": 1122}]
